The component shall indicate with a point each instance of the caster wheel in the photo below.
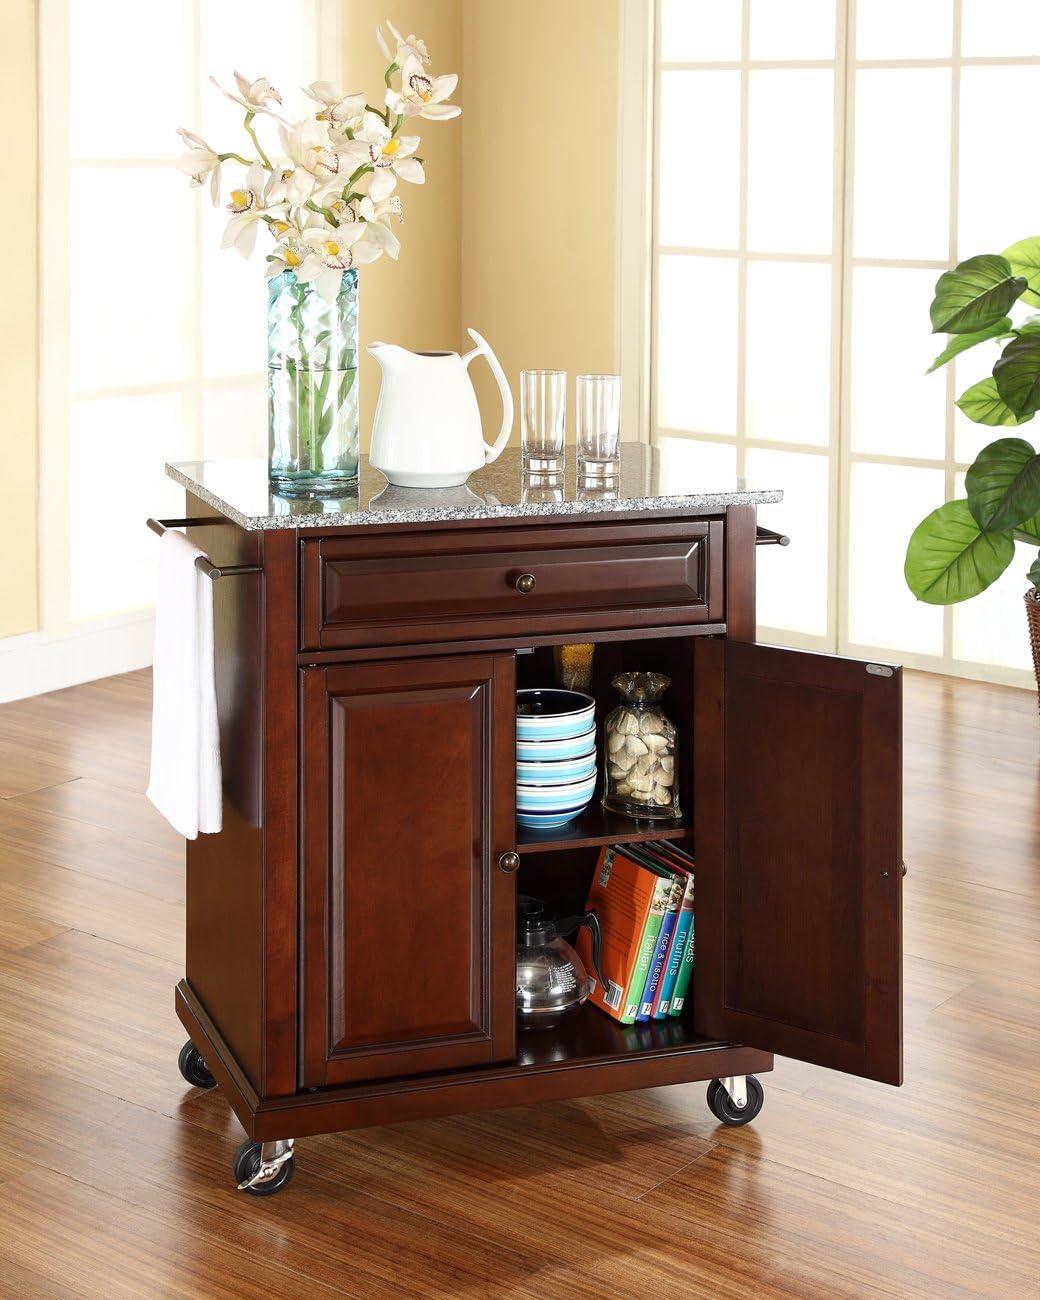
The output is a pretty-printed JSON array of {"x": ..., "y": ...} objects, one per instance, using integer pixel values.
[
  {"x": 193, "y": 1067},
  {"x": 247, "y": 1162},
  {"x": 721, "y": 1104}
]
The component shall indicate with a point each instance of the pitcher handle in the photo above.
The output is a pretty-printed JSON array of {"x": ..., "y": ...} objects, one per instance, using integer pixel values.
[{"x": 483, "y": 348}]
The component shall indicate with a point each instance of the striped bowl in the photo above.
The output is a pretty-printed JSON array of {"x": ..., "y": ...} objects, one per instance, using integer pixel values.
[
  {"x": 559, "y": 771},
  {"x": 553, "y": 714},
  {"x": 571, "y": 798},
  {"x": 547, "y": 751}
]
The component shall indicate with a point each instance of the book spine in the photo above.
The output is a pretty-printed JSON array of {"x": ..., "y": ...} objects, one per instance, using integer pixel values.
[
  {"x": 653, "y": 979},
  {"x": 647, "y": 947},
  {"x": 682, "y": 983},
  {"x": 674, "y": 962}
]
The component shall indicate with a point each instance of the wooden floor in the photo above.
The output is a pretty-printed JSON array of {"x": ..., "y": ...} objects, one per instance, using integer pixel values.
[{"x": 114, "y": 1175}]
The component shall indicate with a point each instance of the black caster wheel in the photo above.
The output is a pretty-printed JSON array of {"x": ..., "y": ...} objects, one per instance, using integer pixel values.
[
  {"x": 193, "y": 1067},
  {"x": 720, "y": 1103},
  {"x": 246, "y": 1164}
]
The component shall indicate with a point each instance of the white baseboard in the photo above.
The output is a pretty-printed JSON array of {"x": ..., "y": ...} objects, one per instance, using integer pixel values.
[{"x": 37, "y": 662}]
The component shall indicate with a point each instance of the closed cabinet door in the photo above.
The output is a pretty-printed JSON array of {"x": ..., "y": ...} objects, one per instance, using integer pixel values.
[
  {"x": 408, "y": 919},
  {"x": 797, "y": 824}
]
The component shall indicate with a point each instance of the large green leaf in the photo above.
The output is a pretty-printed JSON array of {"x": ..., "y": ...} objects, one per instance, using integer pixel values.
[
  {"x": 1034, "y": 572},
  {"x": 974, "y": 294},
  {"x": 1031, "y": 325},
  {"x": 983, "y": 404},
  {"x": 962, "y": 342},
  {"x": 950, "y": 558},
  {"x": 1003, "y": 485},
  {"x": 1024, "y": 260},
  {"x": 1017, "y": 374}
]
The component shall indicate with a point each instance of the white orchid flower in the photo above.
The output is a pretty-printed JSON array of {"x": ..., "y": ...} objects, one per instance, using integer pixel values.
[
  {"x": 199, "y": 162},
  {"x": 247, "y": 207},
  {"x": 253, "y": 96},
  {"x": 390, "y": 155},
  {"x": 331, "y": 253},
  {"x": 307, "y": 145},
  {"x": 422, "y": 95},
  {"x": 287, "y": 256},
  {"x": 403, "y": 47},
  {"x": 377, "y": 223},
  {"x": 292, "y": 185},
  {"x": 341, "y": 110}
]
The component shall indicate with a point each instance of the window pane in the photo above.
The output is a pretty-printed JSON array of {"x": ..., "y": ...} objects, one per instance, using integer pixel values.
[
  {"x": 893, "y": 29},
  {"x": 129, "y": 83},
  {"x": 998, "y": 126},
  {"x": 897, "y": 410},
  {"x": 789, "y": 351},
  {"x": 695, "y": 31},
  {"x": 902, "y": 155},
  {"x": 804, "y": 516},
  {"x": 117, "y": 448},
  {"x": 790, "y": 161},
  {"x": 700, "y": 159},
  {"x": 888, "y": 502},
  {"x": 234, "y": 302},
  {"x": 234, "y": 419},
  {"x": 1010, "y": 28},
  {"x": 130, "y": 326},
  {"x": 797, "y": 29},
  {"x": 697, "y": 343},
  {"x": 687, "y": 465}
]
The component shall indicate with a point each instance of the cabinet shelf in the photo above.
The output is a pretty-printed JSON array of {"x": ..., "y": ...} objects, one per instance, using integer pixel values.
[
  {"x": 596, "y": 826},
  {"x": 587, "y": 1036}
]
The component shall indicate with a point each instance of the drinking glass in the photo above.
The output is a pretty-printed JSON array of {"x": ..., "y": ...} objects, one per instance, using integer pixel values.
[
  {"x": 599, "y": 423},
  {"x": 543, "y": 417}
]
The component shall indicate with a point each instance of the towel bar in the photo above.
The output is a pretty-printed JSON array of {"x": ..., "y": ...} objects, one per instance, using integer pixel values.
[
  {"x": 202, "y": 563},
  {"x": 767, "y": 537}
]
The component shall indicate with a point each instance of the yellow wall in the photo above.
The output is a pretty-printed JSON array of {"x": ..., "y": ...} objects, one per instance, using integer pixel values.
[
  {"x": 18, "y": 322},
  {"x": 539, "y": 186},
  {"x": 415, "y": 301}
]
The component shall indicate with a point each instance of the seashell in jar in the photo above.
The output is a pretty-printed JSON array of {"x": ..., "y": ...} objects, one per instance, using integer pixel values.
[
  {"x": 616, "y": 770},
  {"x": 615, "y": 740},
  {"x": 641, "y": 796},
  {"x": 634, "y": 748},
  {"x": 655, "y": 742},
  {"x": 668, "y": 763},
  {"x": 644, "y": 764},
  {"x": 628, "y": 724},
  {"x": 665, "y": 778},
  {"x": 623, "y": 787},
  {"x": 651, "y": 724},
  {"x": 644, "y": 784},
  {"x": 662, "y": 795}
]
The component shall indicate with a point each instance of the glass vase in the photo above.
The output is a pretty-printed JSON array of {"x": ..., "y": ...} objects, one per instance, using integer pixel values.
[
  {"x": 312, "y": 388},
  {"x": 640, "y": 760}
]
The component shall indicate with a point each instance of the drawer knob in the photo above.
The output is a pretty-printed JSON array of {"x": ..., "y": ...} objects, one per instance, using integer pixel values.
[
  {"x": 509, "y": 862},
  {"x": 525, "y": 583}
]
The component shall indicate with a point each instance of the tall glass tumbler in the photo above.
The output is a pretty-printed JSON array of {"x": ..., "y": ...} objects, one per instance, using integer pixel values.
[
  {"x": 543, "y": 418},
  {"x": 599, "y": 424}
]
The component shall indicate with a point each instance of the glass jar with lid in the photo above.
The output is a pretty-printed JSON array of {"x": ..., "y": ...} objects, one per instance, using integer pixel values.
[{"x": 639, "y": 741}]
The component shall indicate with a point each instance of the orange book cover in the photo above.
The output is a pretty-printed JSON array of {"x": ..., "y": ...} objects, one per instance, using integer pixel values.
[{"x": 621, "y": 894}]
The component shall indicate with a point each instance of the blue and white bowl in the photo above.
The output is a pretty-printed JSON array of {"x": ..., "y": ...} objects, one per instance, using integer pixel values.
[
  {"x": 537, "y": 751},
  {"x": 541, "y": 821},
  {"x": 570, "y": 798},
  {"x": 558, "y": 771},
  {"x": 553, "y": 714}
]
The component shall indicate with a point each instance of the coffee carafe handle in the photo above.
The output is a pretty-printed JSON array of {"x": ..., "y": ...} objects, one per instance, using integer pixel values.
[
  {"x": 591, "y": 923},
  {"x": 483, "y": 349}
]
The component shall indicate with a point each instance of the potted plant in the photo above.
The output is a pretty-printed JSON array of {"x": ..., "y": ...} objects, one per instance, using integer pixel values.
[{"x": 963, "y": 547}]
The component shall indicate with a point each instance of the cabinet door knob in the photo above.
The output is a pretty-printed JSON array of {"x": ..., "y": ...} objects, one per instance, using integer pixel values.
[
  {"x": 509, "y": 862},
  {"x": 525, "y": 583}
]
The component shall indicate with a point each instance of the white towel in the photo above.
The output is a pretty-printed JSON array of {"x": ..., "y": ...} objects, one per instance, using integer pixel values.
[{"x": 185, "y": 777}]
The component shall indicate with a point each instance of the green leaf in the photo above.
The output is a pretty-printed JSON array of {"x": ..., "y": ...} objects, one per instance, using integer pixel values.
[
  {"x": 1024, "y": 260},
  {"x": 950, "y": 558},
  {"x": 1003, "y": 485},
  {"x": 961, "y": 342},
  {"x": 1034, "y": 572},
  {"x": 974, "y": 294},
  {"x": 983, "y": 404},
  {"x": 1031, "y": 325},
  {"x": 1017, "y": 375},
  {"x": 1028, "y": 531}
]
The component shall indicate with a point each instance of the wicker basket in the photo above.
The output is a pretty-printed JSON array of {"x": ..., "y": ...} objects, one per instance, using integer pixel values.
[{"x": 1033, "y": 614}]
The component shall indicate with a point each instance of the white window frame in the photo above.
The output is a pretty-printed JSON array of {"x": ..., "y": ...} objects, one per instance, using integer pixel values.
[
  {"x": 126, "y": 635},
  {"x": 839, "y": 450}
]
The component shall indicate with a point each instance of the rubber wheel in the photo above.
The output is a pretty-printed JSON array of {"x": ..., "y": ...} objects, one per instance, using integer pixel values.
[
  {"x": 247, "y": 1162},
  {"x": 193, "y": 1067},
  {"x": 721, "y": 1104}
]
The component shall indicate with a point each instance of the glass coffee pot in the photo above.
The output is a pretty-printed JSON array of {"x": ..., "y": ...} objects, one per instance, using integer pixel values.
[{"x": 550, "y": 977}]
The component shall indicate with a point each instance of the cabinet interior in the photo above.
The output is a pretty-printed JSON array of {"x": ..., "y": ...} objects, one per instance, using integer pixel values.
[{"x": 557, "y": 866}]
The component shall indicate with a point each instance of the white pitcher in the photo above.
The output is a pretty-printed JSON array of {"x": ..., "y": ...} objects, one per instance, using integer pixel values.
[{"x": 427, "y": 430}]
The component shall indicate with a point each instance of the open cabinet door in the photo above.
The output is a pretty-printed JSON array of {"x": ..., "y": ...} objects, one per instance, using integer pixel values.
[{"x": 797, "y": 812}]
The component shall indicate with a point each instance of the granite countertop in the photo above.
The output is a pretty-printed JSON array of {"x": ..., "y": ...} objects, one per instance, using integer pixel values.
[{"x": 503, "y": 490}]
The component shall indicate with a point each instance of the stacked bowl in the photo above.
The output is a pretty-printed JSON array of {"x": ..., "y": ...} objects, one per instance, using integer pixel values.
[{"x": 555, "y": 756}]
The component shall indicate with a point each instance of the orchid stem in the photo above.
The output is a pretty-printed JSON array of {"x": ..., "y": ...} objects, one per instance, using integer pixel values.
[
  {"x": 388, "y": 76},
  {"x": 327, "y": 213},
  {"x": 246, "y": 162},
  {"x": 252, "y": 135}
]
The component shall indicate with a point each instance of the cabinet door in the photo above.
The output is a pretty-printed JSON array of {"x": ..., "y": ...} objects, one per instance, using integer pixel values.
[
  {"x": 798, "y": 844},
  {"x": 409, "y": 958}
]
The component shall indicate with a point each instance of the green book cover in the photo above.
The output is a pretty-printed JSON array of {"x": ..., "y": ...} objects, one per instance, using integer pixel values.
[
  {"x": 647, "y": 946},
  {"x": 682, "y": 980}
]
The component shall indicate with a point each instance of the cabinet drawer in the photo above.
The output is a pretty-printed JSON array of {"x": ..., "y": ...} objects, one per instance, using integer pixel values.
[{"x": 429, "y": 587}]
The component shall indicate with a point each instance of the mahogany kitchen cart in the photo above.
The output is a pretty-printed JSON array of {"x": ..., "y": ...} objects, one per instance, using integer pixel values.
[{"x": 351, "y": 930}]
